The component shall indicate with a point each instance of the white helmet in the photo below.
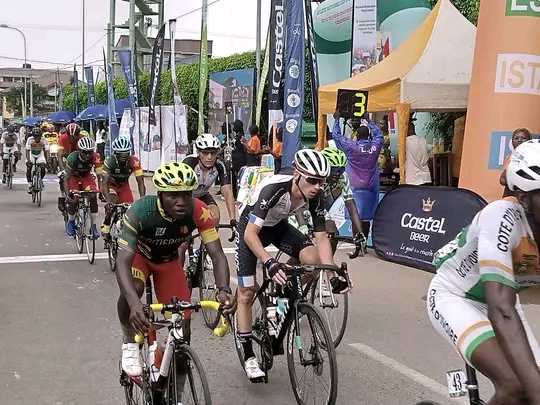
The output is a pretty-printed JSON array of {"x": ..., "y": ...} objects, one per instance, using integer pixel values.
[
  {"x": 523, "y": 171},
  {"x": 207, "y": 141},
  {"x": 311, "y": 162},
  {"x": 86, "y": 144},
  {"x": 121, "y": 144}
]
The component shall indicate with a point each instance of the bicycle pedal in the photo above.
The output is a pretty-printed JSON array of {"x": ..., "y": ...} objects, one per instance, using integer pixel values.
[{"x": 259, "y": 380}]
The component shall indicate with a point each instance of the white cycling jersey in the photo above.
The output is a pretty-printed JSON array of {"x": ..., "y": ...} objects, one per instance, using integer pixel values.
[{"x": 497, "y": 246}]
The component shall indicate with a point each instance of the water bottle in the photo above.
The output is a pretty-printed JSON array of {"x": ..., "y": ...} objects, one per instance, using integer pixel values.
[
  {"x": 153, "y": 353},
  {"x": 282, "y": 306},
  {"x": 272, "y": 320}
]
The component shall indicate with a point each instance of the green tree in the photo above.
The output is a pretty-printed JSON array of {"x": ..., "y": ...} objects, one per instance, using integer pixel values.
[
  {"x": 469, "y": 8},
  {"x": 40, "y": 98}
]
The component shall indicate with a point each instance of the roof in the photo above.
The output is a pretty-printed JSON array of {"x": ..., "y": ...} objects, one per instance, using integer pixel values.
[{"x": 431, "y": 71}]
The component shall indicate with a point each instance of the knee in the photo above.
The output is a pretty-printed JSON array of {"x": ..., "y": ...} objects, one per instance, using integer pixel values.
[
  {"x": 309, "y": 255},
  {"x": 245, "y": 295}
]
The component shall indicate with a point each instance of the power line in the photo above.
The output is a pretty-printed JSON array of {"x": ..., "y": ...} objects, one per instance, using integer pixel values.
[
  {"x": 45, "y": 62},
  {"x": 87, "y": 49},
  {"x": 196, "y": 9}
]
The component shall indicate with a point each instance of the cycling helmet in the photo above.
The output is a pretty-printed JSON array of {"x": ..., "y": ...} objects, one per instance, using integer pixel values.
[
  {"x": 121, "y": 144},
  {"x": 335, "y": 157},
  {"x": 175, "y": 176},
  {"x": 311, "y": 162},
  {"x": 44, "y": 126},
  {"x": 73, "y": 130},
  {"x": 36, "y": 132},
  {"x": 11, "y": 128},
  {"x": 523, "y": 171},
  {"x": 86, "y": 144},
  {"x": 207, "y": 141}
]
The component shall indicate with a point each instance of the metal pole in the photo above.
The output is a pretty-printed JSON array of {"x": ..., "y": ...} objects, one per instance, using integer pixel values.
[
  {"x": 258, "y": 44},
  {"x": 56, "y": 90},
  {"x": 24, "y": 68},
  {"x": 31, "y": 95},
  {"x": 83, "y": 4}
]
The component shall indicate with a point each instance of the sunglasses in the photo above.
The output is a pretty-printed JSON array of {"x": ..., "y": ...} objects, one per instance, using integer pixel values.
[{"x": 315, "y": 181}]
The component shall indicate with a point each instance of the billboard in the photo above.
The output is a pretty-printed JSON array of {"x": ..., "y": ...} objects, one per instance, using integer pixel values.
[{"x": 235, "y": 86}]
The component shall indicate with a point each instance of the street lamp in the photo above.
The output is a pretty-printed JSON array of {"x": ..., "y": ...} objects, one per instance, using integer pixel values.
[{"x": 25, "y": 64}]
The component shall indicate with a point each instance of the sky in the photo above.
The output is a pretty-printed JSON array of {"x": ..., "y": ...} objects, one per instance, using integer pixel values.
[{"x": 53, "y": 28}]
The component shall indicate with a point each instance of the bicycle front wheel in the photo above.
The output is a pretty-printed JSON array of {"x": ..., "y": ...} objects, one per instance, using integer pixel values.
[
  {"x": 90, "y": 244},
  {"x": 188, "y": 383},
  {"x": 311, "y": 358},
  {"x": 333, "y": 307},
  {"x": 80, "y": 221},
  {"x": 207, "y": 288}
]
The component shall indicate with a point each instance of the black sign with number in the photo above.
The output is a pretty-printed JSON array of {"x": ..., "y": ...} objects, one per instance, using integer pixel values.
[
  {"x": 352, "y": 103},
  {"x": 413, "y": 222},
  {"x": 228, "y": 107}
]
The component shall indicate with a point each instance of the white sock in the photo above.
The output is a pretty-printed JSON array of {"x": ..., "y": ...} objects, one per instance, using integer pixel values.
[{"x": 93, "y": 218}]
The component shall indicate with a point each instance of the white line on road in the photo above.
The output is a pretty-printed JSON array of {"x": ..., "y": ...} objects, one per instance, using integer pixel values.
[
  {"x": 77, "y": 257},
  {"x": 406, "y": 371}
]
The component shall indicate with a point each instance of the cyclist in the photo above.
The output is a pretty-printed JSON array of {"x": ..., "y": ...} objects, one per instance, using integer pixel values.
[
  {"x": 9, "y": 142},
  {"x": 79, "y": 177},
  {"x": 472, "y": 301},
  {"x": 154, "y": 227},
  {"x": 115, "y": 181},
  {"x": 210, "y": 169},
  {"x": 337, "y": 185},
  {"x": 37, "y": 148},
  {"x": 265, "y": 222},
  {"x": 67, "y": 143}
]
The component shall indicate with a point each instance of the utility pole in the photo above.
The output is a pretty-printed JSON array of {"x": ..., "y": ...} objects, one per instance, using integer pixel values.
[
  {"x": 83, "y": 37},
  {"x": 258, "y": 44}
]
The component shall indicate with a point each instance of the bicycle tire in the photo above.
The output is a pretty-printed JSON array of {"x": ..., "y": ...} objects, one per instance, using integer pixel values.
[
  {"x": 9, "y": 175},
  {"x": 427, "y": 403},
  {"x": 191, "y": 393},
  {"x": 207, "y": 289},
  {"x": 337, "y": 328},
  {"x": 38, "y": 198},
  {"x": 90, "y": 244},
  {"x": 112, "y": 249},
  {"x": 313, "y": 317},
  {"x": 264, "y": 353},
  {"x": 79, "y": 233}
]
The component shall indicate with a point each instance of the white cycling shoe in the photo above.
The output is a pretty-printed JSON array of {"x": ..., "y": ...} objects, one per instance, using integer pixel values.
[
  {"x": 253, "y": 371},
  {"x": 131, "y": 361}
]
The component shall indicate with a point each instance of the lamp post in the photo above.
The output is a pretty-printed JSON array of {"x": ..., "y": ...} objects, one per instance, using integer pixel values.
[{"x": 25, "y": 64}]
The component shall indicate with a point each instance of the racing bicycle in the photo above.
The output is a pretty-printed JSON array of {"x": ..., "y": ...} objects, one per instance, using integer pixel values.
[
  {"x": 172, "y": 374},
  {"x": 200, "y": 273},
  {"x": 9, "y": 172},
  {"x": 282, "y": 314},
  {"x": 83, "y": 235},
  {"x": 116, "y": 229},
  {"x": 461, "y": 383},
  {"x": 37, "y": 182}
]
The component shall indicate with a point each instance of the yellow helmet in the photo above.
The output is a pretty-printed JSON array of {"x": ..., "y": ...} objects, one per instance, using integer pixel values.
[
  {"x": 44, "y": 126},
  {"x": 174, "y": 176}
]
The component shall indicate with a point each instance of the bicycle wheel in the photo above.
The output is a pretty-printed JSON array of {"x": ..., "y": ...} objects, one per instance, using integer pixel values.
[
  {"x": 135, "y": 391},
  {"x": 112, "y": 249},
  {"x": 311, "y": 358},
  {"x": 188, "y": 383},
  {"x": 207, "y": 288},
  {"x": 333, "y": 307},
  {"x": 9, "y": 175},
  {"x": 261, "y": 341},
  {"x": 80, "y": 232},
  {"x": 38, "y": 198},
  {"x": 89, "y": 242}
]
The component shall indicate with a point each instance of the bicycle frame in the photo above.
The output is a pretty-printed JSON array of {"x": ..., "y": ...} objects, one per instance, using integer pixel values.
[{"x": 472, "y": 386}]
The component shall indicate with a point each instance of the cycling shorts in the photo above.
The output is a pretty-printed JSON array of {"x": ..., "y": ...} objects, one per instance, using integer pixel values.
[
  {"x": 123, "y": 191},
  {"x": 82, "y": 183},
  {"x": 8, "y": 149},
  {"x": 464, "y": 322},
  {"x": 282, "y": 235},
  {"x": 169, "y": 278}
]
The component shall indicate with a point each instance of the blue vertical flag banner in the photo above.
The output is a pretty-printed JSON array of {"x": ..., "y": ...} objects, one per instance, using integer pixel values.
[
  {"x": 89, "y": 75},
  {"x": 276, "y": 46},
  {"x": 313, "y": 61},
  {"x": 76, "y": 89},
  {"x": 113, "y": 123},
  {"x": 293, "y": 94},
  {"x": 155, "y": 73},
  {"x": 125, "y": 57}
]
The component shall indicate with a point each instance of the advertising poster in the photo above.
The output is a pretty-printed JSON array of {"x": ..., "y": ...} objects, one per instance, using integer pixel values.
[
  {"x": 235, "y": 86},
  {"x": 364, "y": 36}
]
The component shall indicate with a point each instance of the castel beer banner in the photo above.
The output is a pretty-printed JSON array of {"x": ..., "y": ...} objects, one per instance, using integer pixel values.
[
  {"x": 413, "y": 222},
  {"x": 505, "y": 90}
]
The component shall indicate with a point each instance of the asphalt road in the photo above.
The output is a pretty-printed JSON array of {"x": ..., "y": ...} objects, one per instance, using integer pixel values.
[{"x": 61, "y": 339}]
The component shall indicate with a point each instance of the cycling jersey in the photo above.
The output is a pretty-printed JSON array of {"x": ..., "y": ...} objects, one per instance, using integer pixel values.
[
  {"x": 207, "y": 177},
  {"x": 147, "y": 229},
  {"x": 272, "y": 203},
  {"x": 497, "y": 246},
  {"x": 79, "y": 168},
  {"x": 37, "y": 149},
  {"x": 333, "y": 190},
  {"x": 67, "y": 144},
  {"x": 9, "y": 140},
  {"x": 119, "y": 172},
  {"x": 52, "y": 137}
]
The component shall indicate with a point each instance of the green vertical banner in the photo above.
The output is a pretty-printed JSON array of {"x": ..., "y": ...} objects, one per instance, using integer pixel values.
[{"x": 203, "y": 65}]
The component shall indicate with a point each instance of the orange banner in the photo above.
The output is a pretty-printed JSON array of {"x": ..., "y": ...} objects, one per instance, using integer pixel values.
[{"x": 504, "y": 92}]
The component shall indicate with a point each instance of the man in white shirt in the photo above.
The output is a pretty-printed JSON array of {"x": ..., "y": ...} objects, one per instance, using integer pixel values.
[{"x": 416, "y": 163}]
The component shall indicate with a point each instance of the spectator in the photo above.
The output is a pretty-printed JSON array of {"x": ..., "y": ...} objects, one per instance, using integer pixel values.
[
  {"x": 277, "y": 149},
  {"x": 101, "y": 138},
  {"x": 362, "y": 154},
  {"x": 223, "y": 135},
  {"x": 519, "y": 136},
  {"x": 238, "y": 154},
  {"x": 417, "y": 158},
  {"x": 253, "y": 147}
]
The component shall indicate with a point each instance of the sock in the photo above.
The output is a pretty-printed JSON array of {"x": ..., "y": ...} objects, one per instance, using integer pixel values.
[{"x": 247, "y": 344}]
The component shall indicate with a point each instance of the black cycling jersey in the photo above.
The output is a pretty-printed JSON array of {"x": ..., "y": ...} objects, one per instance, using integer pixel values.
[
  {"x": 272, "y": 203},
  {"x": 207, "y": 178}
]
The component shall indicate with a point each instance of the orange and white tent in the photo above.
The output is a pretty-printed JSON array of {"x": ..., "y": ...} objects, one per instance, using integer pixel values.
[{"x": 431, "y": 71}]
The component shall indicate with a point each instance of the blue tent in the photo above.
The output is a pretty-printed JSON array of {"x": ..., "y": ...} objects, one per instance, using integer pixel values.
[
  {"x": 61, "y": 117},
  {"x": 100, "y": 111},
  {"x": 32, "y": 121}
]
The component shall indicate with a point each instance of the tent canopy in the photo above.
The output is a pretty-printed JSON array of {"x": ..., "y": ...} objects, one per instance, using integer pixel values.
[{"x": 430, "y": 71}]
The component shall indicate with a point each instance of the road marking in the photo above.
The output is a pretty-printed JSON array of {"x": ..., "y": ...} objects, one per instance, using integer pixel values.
[{"x": 414, "y": 375}]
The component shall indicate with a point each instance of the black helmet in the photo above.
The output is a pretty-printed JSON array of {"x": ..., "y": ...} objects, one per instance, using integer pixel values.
[
  {"x": 11, "y": 128},
  {"x": 36, "y": 132}
]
